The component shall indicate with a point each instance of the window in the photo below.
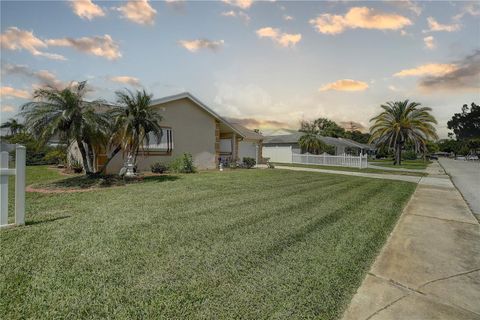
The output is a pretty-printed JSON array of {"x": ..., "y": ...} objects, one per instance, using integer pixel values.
[
  {"x": 225, "y": 145},
  {"x": 165, "y": 144}
]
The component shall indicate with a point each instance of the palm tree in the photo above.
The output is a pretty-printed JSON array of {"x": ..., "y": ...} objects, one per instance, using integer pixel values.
[
  {"x": 64, "y": 113},
  {"x": 13, "y": 126},
  {"x": 311, "y": 142},
  {"x": 402, "y": 122},
  {"x": 134, "y": 122}
]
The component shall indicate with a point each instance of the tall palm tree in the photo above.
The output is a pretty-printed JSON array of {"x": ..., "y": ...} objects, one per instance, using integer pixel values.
[
  {"x": 402, "y": 122},
  {"x": 65, "y": 114},
  {"x": 13, "y": 126},
  {"x": 311, "y": 142},
  {"x": 134, "y": 122}
]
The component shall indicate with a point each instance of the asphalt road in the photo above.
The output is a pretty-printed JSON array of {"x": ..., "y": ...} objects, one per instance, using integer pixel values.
[{"x": 466, "y": 177}]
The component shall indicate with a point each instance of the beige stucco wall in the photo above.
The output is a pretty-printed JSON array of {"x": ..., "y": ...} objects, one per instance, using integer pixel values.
[{"x": 193, "y": 132}]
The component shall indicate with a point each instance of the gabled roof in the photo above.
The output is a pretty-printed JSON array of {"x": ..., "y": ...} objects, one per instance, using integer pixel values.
[
  {"x": 247, "y": 133},
  {"x": 191, "y": 97},
  {"x": 294, "y": 137}
]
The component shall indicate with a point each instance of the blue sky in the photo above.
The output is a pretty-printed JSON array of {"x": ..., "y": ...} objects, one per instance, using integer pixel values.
[{"x": 271, "y": 63}]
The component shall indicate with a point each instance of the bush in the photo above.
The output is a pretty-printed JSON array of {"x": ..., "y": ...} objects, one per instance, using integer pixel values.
[
  {"x": 158, "y": 167},
  {"x": 409, "y": 155},
  {"x": 75, "y": 165},
  {"x": 56, "y": 156},
  {"x": 182, "y": 164},
  {"x": 249, "y": 162}
]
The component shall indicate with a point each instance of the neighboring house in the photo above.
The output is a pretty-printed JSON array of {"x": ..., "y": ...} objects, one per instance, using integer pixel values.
[
  {"x": 189, "y": 126},
  {"x": 280, "y": 145}
]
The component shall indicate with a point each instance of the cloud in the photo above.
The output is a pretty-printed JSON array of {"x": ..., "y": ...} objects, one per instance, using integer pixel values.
[
  {"x": 253, "y": 123},
  {"x": 44, "y": 76},
  {"x": 283, "y": 39},
  {"x": 393, "y": 88},
  {"x": 7, "y": 108},
  {"x": 195, "y": 45},
  {"x": 16, "y": 39},
  {"x": 409, "y": 5},
  {"x": 359, "y": 17},
  {"x": 465, "y": 76},
  {"x": 135, "y": 82},
  {"x": 286, "y": 17},
  {"x": 178, "y": 5},
  {"x": 345, "y": 85},
  {"x": 99, "y": 46},
  {"x": 435, "y": 26},
  {"x": 240, "y": 14},
  {"x": 431, "y": 69},
  {"x": 353, "y": 125},
  {"x": 138, "y": 11},
  {"x": 243, "y": 4},
  {"x": 472, "y": 9},
  {"x": 9, "y": 92},
  {"x": 86, "y": 9},
  {"x": 429, "y": 42}
]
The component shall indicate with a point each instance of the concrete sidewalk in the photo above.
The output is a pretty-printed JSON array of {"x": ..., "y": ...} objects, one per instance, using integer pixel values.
[{"x": 430, "y": 266}]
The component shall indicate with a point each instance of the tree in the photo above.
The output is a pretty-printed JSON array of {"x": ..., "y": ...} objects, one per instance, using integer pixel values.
[
  {"x": 134, "y": 122},
  {"x": 466, "y": 125},
  {"x": 310, "y": 142},
  {"x": 13, "y": 126},
  {"x": 357, "y": 136},
  {"x": 64, "y": 113},
  {"x": 403, "y": 122},
  {"x": 323, "y": 127}
]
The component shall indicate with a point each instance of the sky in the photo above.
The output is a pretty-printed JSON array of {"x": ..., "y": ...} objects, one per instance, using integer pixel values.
[{"x": 268, "y": 64}]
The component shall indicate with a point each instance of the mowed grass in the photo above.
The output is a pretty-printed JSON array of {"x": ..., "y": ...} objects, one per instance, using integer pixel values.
[
  {"x": 217, "y": 245},
  {"x": 406, "y": 164},
  {"x": 351, "y": 169}
]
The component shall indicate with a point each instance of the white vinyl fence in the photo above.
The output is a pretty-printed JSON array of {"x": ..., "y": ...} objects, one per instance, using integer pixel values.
[
  {"x": 19, "y": 173},
  {"x": 325, "y": 159},
  {"x": 283, "y": 154}
]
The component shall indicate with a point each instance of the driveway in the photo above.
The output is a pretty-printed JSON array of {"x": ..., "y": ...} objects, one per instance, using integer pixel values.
[{"x": 466, "y": 177}]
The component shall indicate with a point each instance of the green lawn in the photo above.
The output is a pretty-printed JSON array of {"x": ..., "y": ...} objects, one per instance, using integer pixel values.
[
  {"x": 406, "y": 164},
  {"x": 218, "y": 245},
  {"x": 351, "y": 169}
]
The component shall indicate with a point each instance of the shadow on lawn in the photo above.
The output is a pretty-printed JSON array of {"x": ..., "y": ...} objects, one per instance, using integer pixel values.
[
  {"x": 104, "y": 181},
  {"x": 32, "y": 223}
]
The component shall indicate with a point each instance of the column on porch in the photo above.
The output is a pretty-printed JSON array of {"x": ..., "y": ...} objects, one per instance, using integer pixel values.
[{"x": 217, "y": 143}]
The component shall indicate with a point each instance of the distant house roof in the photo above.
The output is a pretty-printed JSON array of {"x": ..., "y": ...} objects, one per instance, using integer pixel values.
[
  {"x": 278, "y": 132},
  {"x": 294, "y": 137},
  {"x": 191, "y": 97},
  {"x": 247, "y": 133}
]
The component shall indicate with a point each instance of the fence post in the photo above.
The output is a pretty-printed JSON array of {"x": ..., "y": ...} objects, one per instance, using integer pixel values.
[
  {"x": 20, "y": 156},
  {"x": 3, "y": 189}
]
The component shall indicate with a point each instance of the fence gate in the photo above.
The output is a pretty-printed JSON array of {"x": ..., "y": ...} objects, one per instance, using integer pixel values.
[{"x": 19, "y": 173}]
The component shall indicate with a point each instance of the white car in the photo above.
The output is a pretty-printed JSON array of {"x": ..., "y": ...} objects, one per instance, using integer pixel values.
[{"x": 471, "y": 157}]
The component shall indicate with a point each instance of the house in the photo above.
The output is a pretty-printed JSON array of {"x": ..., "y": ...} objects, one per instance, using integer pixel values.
[
  {"x": 279, "y": 148},
  {"x": 189, "y": 126}
]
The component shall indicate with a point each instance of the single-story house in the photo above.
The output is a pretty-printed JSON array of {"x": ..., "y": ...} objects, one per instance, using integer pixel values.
[
  {"x": 189, "y": 126},
  {"x": 342, "y": 145}
]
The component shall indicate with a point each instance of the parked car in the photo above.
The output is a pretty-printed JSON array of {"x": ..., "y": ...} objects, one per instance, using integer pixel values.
[{"x": 471, "y": 157}]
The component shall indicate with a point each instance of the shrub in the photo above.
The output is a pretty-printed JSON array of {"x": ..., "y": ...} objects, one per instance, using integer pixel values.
[
  {"x": 56, "y": 156},
  {"x": 158, "y": 167},
  {"x": 75, "y": 165},
  {"x": 249, "y": 162},
  {"x": 182, "y": 164},
  {"x": 409, "y": 155}
]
